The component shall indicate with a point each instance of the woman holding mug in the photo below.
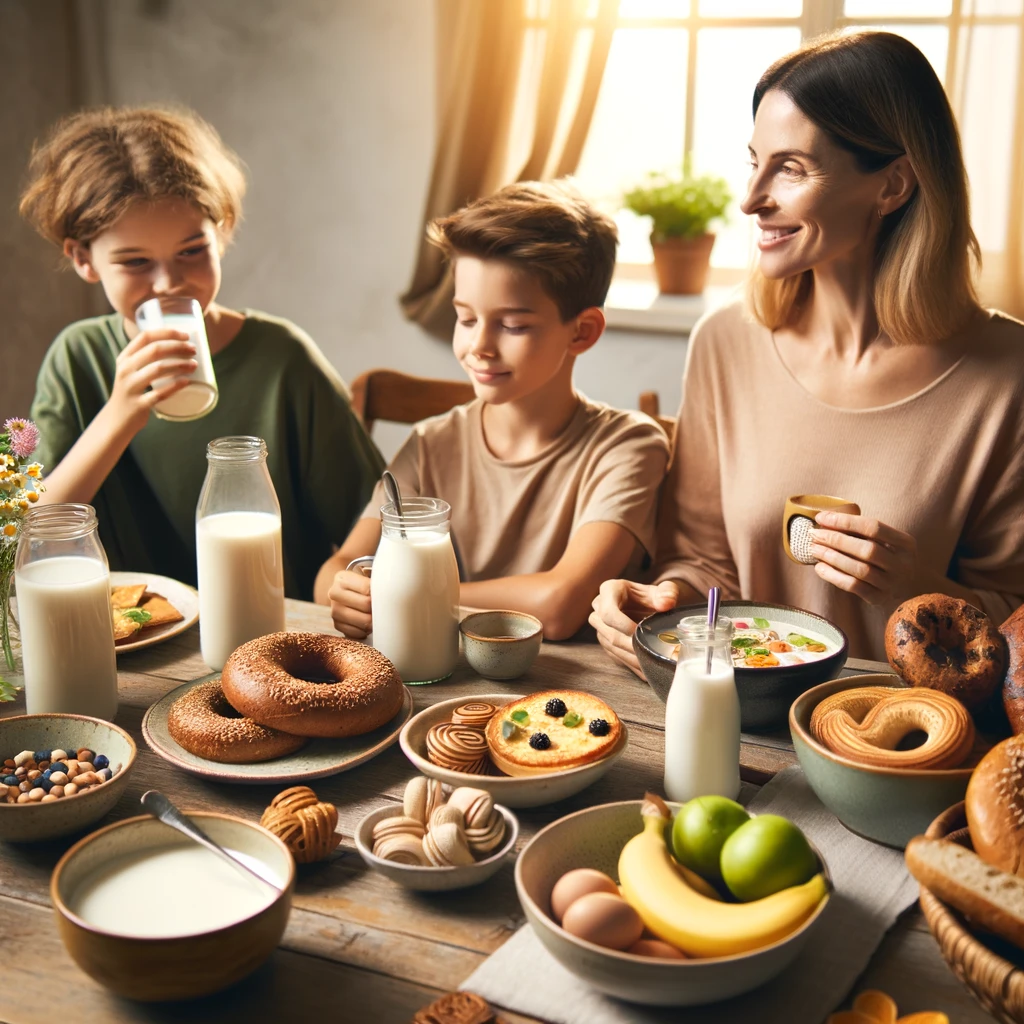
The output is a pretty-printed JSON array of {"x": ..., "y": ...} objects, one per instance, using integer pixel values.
[{"x": 861, "y": 366}]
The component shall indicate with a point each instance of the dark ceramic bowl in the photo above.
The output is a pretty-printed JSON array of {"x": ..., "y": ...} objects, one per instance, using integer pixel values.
[
  {"x": 887, "y": 805},
  {"x": 765, "y": 693}
]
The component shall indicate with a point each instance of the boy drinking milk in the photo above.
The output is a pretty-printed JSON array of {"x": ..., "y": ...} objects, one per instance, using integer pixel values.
[
  {"x": 550, "y": 492},
  {"x": 144, "y": 202}
]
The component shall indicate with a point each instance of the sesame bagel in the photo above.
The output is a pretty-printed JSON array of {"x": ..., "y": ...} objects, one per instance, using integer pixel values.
[
  {"x": 205, "y": 724},
  {"x": 313, "y": 684}
]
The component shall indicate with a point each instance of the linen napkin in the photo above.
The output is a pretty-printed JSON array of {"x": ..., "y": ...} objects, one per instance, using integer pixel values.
[{"x": 872, "y": 888}]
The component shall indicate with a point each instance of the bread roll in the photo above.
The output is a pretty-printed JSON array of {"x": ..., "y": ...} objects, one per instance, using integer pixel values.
[
  {"x": 995, "y": 806},
  {"x": 991, "y": 898}
]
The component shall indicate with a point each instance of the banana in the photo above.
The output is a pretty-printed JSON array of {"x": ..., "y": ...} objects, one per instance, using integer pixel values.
[{"x": 702, "y": 927}]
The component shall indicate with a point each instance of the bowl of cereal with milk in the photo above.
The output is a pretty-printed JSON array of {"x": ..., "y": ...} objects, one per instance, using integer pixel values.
[{"x": 778, "y": 652}]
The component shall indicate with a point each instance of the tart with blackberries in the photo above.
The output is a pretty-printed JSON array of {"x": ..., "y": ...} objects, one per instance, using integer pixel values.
[{"x": 552, "y": 731}]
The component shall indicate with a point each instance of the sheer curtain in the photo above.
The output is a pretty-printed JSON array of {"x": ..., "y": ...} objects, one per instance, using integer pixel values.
[
  {"x": 985, "y": 81},
  {"x": 517, "y": 85}
]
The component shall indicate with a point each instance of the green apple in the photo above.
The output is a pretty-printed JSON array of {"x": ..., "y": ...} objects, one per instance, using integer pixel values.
[
  {"x": 701, "y": 828},
  {"x": 764, "y": 856}
]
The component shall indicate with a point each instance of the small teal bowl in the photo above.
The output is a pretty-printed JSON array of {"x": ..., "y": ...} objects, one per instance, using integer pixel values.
[
  {"x": 887, "y": 805},
  {"x": 501, "y": 644}
]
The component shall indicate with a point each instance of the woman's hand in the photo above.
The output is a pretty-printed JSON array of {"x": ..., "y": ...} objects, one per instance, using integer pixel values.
[
  {"x": 350, "y": 604},
  {"x": 149, "y": 356},
  {"x": 875, "y": 561},
  {"x": 618, "y": 607}
]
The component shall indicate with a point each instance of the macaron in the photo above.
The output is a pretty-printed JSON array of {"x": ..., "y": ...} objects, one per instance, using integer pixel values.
[
  {"x": 476, "y": 804},
  {"x": 402, "y": 848},
  {"x": 446, "y": 846}
]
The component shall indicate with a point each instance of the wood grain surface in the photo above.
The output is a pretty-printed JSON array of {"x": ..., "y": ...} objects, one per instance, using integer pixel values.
[{"x": 357, "y": 947}]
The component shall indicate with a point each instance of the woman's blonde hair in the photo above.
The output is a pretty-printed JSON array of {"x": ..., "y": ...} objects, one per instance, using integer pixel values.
[
  {"x": 876, "y": 96},
  {"x": 95, "y": 164}
]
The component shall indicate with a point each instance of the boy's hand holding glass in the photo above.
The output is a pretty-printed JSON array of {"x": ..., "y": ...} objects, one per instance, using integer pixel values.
[
  {"x": 149, "y": 356},
  {"x": 350, "y": 604},
  {"x": 865, "y": 557}
]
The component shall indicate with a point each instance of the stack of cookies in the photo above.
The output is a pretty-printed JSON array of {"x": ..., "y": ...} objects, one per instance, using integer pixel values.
[
  {"x": 461, "y": 744},
  {"x": 433, "y": 833}
]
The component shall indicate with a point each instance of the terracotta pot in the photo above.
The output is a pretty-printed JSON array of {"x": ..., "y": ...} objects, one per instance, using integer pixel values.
[{"x": 681, "y": 264}]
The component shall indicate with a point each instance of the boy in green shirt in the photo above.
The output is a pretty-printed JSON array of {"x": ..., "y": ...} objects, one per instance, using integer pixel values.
[{"x": 144, "y": 202}]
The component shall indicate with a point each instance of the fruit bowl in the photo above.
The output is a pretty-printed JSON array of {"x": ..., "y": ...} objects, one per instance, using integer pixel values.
[
  {"x": 765, "y": 693},
  {"x": 594, "y": 838}
]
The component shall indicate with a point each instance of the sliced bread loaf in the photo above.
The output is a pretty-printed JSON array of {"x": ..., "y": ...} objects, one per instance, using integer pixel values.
[{"x": 991, "y": 898}]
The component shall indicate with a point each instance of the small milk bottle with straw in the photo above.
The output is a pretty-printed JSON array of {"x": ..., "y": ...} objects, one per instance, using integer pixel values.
[{"x": 702, "y": 713}]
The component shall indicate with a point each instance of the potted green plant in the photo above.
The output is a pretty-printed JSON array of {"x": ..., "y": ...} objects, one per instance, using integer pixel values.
[{"x": 681, "y": 207}]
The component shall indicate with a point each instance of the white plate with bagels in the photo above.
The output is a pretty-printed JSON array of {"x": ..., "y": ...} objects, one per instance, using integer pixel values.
[
  {"x": 287, "y": 707},
  {"x": 526, "y": 751},
  {"x": 149, "y": 609}
]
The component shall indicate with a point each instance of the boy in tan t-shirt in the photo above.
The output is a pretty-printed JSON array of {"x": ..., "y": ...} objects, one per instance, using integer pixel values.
[{"x": 551, "y": 493}]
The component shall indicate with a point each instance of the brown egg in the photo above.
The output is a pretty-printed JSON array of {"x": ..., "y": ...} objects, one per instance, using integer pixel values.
[
  {"x": 656, "y": 947},
  {"x": 574, "y": 884},
  {"x": 604, "y": 919}
]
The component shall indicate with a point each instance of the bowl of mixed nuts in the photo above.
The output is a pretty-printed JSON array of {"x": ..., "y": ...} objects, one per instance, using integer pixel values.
[{"x": 59, "y": 774}]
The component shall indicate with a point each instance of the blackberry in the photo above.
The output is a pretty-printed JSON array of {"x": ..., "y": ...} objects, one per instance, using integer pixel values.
[
  {"x": 540, "y": 741},
  {"x": 555, "y": 707},
  {"x": 599, "y": 727}
]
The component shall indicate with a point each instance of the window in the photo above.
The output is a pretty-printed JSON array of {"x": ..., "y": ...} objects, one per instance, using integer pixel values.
[{"x": 681, "y": 73}]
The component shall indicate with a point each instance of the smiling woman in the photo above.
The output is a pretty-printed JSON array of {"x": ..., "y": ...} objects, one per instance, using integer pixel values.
[{"x": 863, "y": 366}]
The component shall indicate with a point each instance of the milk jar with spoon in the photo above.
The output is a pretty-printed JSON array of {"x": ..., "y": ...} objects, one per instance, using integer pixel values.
[
  {"x": 62, "y": 583},
  {"x": 200, "y": 395},
  {"x": 238, "y": 549},
  {"x": 702, "y": 714},
  {"x": 414, "y": 596}
]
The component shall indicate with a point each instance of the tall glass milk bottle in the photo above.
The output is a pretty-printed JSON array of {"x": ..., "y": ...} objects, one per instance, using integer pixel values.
[
  {"x": 238, "y": 549},
  {"x": 414, "y": 594},
  {"x": 702, "y": 715},
  {"x": 62, "y": 583}
]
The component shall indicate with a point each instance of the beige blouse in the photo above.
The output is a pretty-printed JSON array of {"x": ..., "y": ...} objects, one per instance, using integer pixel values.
[{"x": 945, "y": 465}]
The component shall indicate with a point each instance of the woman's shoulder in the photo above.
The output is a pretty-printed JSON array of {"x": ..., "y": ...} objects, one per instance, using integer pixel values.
[
  {"x": 727, "y": 333},
  {"x": 995, "y": 350}
]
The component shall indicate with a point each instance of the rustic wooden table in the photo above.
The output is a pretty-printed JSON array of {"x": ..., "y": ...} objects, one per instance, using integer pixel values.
[{"x": 357, "y": 947}]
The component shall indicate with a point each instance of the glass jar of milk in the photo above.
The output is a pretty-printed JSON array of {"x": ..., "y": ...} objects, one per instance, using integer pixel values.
[
  {"x": 702, "y": 715},
  {"x": 238, "y": 549},
  {"x": 414, "y": 594},
  {"x": 200, "y": 395},
  {"x": 62, "y": 583}
]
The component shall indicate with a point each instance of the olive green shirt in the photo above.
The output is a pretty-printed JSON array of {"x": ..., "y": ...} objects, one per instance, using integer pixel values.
[{"x": 274, "y": 383}]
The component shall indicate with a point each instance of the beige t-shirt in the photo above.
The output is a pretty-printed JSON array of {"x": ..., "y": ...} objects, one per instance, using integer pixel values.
[
  {"x": 512, "y": 518},
  {"x": 945, "y": 465}
]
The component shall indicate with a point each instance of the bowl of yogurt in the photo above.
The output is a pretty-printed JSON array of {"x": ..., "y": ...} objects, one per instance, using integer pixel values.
[{"x": 151, "y": 915}]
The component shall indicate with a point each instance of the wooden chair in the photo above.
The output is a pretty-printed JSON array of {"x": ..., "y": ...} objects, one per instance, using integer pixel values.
[
  {"x": 403, "y": 398},
  {"x": 650, "y": 404}
]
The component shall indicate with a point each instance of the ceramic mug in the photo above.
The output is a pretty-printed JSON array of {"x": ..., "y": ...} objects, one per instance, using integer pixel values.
[{"x": 798, "y": 520}]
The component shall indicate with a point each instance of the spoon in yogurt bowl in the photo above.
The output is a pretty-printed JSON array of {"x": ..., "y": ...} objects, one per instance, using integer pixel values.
[{"x": 160, "y": 807}]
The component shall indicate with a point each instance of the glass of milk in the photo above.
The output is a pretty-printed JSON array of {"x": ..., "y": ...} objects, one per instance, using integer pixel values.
[
  {"x": 67, "y": 634},
  {"x": 414, "y": 595},
  {"x": 185, "y": 315},
  {"x": 238, "y": 549},
  {"x": 702, "y": 715}
]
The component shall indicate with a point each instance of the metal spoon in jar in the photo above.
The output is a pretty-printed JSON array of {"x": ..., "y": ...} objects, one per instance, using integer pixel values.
[
  {"x": 394, "y": 494},
  {"x": 160, "y": 807}
]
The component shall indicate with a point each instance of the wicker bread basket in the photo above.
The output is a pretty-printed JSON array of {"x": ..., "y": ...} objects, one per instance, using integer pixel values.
[{"x": 992, "y": 979}]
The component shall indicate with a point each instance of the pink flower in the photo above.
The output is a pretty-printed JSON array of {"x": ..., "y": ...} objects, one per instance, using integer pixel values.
[{"x": 24, "y": 436}]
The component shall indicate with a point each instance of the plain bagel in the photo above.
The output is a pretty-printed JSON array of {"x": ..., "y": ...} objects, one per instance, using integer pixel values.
[{"x": 313, "y": 684}]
